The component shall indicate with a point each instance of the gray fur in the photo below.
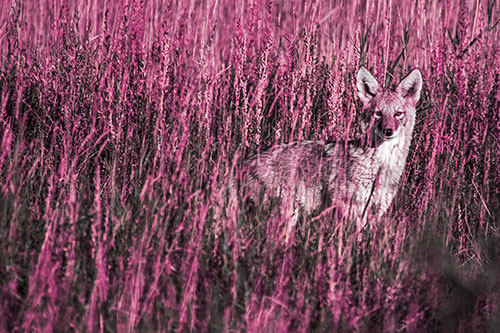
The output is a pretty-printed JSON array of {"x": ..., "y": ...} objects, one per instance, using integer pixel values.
[{"x": 358, "y": 178}]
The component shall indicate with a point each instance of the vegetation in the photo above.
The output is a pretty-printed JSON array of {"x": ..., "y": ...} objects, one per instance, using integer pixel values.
[{"x": 121, "y": 122}]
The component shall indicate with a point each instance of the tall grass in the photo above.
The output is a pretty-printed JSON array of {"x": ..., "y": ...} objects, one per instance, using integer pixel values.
[{"x": 121, "y": 123}]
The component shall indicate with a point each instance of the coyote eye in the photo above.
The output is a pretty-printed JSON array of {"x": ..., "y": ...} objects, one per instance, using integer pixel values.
[
  {"x": 378, "y": 114},
  {"x": 398, "y": 114}
]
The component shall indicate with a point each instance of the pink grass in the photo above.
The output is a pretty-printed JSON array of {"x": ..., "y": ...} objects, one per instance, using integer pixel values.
[{"x": 122, "y": 121}]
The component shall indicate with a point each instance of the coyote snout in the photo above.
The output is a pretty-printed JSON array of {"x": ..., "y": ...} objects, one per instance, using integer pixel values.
[
  {"x": 357, "y": 178},
  {"x": 388, "y": 124}
]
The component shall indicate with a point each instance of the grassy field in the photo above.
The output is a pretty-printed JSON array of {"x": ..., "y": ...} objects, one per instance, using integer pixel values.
[{"x": 121, "y": 122}]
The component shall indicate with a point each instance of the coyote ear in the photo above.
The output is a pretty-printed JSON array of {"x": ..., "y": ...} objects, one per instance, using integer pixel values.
[
  {"x": 367, "y": 86},
  {"x": 409, "y": 88}
]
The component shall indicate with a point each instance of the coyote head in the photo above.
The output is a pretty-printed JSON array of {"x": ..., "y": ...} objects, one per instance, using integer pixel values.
[{"x": 386, "y": 111}]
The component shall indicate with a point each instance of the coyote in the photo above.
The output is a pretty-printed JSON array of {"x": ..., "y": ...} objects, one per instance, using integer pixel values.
[{"x": 358, "y": 178}]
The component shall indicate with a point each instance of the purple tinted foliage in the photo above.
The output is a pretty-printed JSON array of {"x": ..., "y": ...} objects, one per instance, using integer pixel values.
[{"x": 122, "y": 121}]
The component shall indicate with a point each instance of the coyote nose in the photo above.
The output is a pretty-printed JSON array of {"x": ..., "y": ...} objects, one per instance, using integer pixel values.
[{"x": 387, "y": 131}]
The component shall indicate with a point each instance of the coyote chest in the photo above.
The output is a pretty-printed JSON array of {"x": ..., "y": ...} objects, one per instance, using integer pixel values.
[{"x": 373, "y": 176}]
